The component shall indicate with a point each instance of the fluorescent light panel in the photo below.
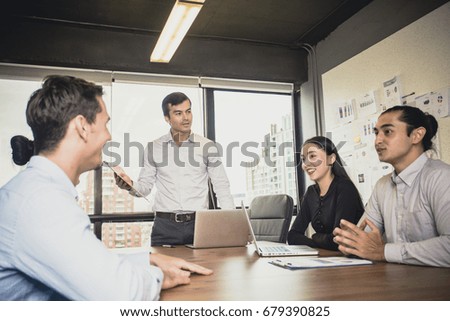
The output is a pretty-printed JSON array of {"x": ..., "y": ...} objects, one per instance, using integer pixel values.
[{"x": 180, "y": 20}]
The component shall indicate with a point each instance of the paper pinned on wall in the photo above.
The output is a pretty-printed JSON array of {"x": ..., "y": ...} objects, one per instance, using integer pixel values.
[
  {"x": 364, "y": 159},
  {"x": 366, "y": 104},
  {"x": 342, "y": 138},
  {"x": 436, "y": 103},
  {"x": 440, "y": 100},
  {"x": 424, "y": 103},
  {"x": 409, "y": 99},
  {"x": 345, "y": 111},
  {"x": 392, "y": 92},
  {"x": 363, "y": 130}
]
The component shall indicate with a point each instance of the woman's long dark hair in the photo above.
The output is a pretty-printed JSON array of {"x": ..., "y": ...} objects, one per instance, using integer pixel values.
[
  {"x": 337, "y": 168},
  {"x": 327, "y": 145}
]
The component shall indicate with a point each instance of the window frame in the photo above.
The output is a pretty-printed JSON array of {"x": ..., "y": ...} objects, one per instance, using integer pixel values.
[{"x": 208, "y": 87}]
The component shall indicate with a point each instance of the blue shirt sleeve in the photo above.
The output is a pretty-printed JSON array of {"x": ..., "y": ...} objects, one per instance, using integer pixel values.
[{"x": 55, "y": 246}]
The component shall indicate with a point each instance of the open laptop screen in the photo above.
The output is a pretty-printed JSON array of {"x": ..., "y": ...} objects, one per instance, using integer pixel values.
[{"x": 220, "y": 228}]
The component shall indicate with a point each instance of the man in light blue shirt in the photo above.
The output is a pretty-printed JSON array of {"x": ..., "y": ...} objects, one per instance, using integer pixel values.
[
  {"x": 408, "y": 215},
  {"x": 47, "y": 251}
]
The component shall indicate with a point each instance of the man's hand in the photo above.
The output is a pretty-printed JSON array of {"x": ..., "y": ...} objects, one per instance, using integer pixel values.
[
  {"x": 354, "y": 240},
  {"x": 176, "y": 271},
  {"x": 123, "y": 181}
]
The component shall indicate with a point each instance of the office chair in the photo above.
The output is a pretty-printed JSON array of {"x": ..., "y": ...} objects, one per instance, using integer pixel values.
[{"x": 270, "y": 216}]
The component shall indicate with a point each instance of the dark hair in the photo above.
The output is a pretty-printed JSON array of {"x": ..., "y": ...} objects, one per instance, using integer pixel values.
[
  {"x": 22, "y": 149},
  {"x": 415, "y": 118},
  {"x": 327, "y": 145},
  {"x": 173, "y": 99},
  {"x": 337, "y": 168},
  {"x": 49, "y": 111}
]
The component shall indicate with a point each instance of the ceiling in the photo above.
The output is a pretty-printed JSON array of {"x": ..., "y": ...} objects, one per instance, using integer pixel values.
[
  {"x": 243, "y": 39},
  {"x": 280, "y": 22}
]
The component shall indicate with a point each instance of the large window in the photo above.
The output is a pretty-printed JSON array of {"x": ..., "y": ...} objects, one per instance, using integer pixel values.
[
  {"x": 256, "y": 133},
  {"x": 254, "y": 129},
  {"x": 137, "y": 119},
  {"x": 15, "y": 95},
  {"x": 253, "y": 126}
]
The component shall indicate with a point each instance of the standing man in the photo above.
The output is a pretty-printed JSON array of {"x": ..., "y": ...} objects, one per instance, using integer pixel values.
[
  {"x": 407, "y": 219},
  {"x": 179, "y": 165},
  {"x": 47, "y": 251}
]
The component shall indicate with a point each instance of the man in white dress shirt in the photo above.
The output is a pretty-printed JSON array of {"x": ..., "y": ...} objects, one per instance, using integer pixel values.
[
  {"x": 47, "y": 251},
  {"x": 179, "y": 165}
]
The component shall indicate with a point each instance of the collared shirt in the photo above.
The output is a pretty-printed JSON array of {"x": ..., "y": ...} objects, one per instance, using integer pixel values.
[
  {"x": 180, "y": 174},
  {"x": 47, "y": 250},
  {"x": 413, "y": 211}
]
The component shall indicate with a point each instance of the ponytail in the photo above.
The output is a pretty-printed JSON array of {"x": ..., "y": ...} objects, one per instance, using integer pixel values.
[
  {"x": 415, "y": 118},
  {"x": 22, "y": 149},
  {"x": 431, "y": 125}
]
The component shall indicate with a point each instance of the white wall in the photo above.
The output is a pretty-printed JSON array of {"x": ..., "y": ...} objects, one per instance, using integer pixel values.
[{"x": 419, "y": 54}]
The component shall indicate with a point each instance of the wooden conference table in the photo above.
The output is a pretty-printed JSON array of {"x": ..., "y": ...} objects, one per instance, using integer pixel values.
[{"x": 241, "y": 275}]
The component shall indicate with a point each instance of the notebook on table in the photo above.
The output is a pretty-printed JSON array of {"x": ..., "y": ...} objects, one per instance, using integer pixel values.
[
  {"x": 318, "y": 262},
  {"x": 264, "y": 248},
  {"x": 220, "y": 228}
]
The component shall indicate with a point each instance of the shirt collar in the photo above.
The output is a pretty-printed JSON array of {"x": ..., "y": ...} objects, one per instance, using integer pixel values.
[
  {"x": 53, "y": 172},
  {"x": 169, "y": 139},
  {"x": 409, "y": 174}
]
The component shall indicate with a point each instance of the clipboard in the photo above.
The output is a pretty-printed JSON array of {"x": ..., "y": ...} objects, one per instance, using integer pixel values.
[
  {"x": 106, "y": 164},
  {"x": 299, "y": 263}
]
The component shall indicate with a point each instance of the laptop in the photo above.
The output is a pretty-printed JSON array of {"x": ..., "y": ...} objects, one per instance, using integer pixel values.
[
  {"x": 265, "y": 248},
  {"x": 220, "y": 228}
]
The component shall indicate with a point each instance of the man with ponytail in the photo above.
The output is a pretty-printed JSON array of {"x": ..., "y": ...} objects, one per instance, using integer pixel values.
[
  {"x": 407, "y": 219},
  {"x": 47, "y": 251}
]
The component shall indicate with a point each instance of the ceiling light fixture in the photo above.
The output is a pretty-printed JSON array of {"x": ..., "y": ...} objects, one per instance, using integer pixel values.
[{"x": 180, "y": 20}]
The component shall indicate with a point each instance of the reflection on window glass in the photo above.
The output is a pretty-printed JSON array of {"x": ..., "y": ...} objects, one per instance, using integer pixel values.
[
  {"x": 85, "y": 187},
  {"x": 254, "y": 129},
  {"x": 256, "y": 133},
  {"x": 85, "y": 190},
  {"x": 137, "y": 119},
  {"x": 128, "y": 234},
  {"x": 15, "y": 95}
]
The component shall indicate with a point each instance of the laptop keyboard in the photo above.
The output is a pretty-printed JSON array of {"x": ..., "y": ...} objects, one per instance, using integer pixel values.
[{"x": 276, "y": 249}]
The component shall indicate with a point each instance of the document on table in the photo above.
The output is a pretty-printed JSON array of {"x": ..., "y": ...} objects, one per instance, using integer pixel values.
[{"x": 297, "y": 263}]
